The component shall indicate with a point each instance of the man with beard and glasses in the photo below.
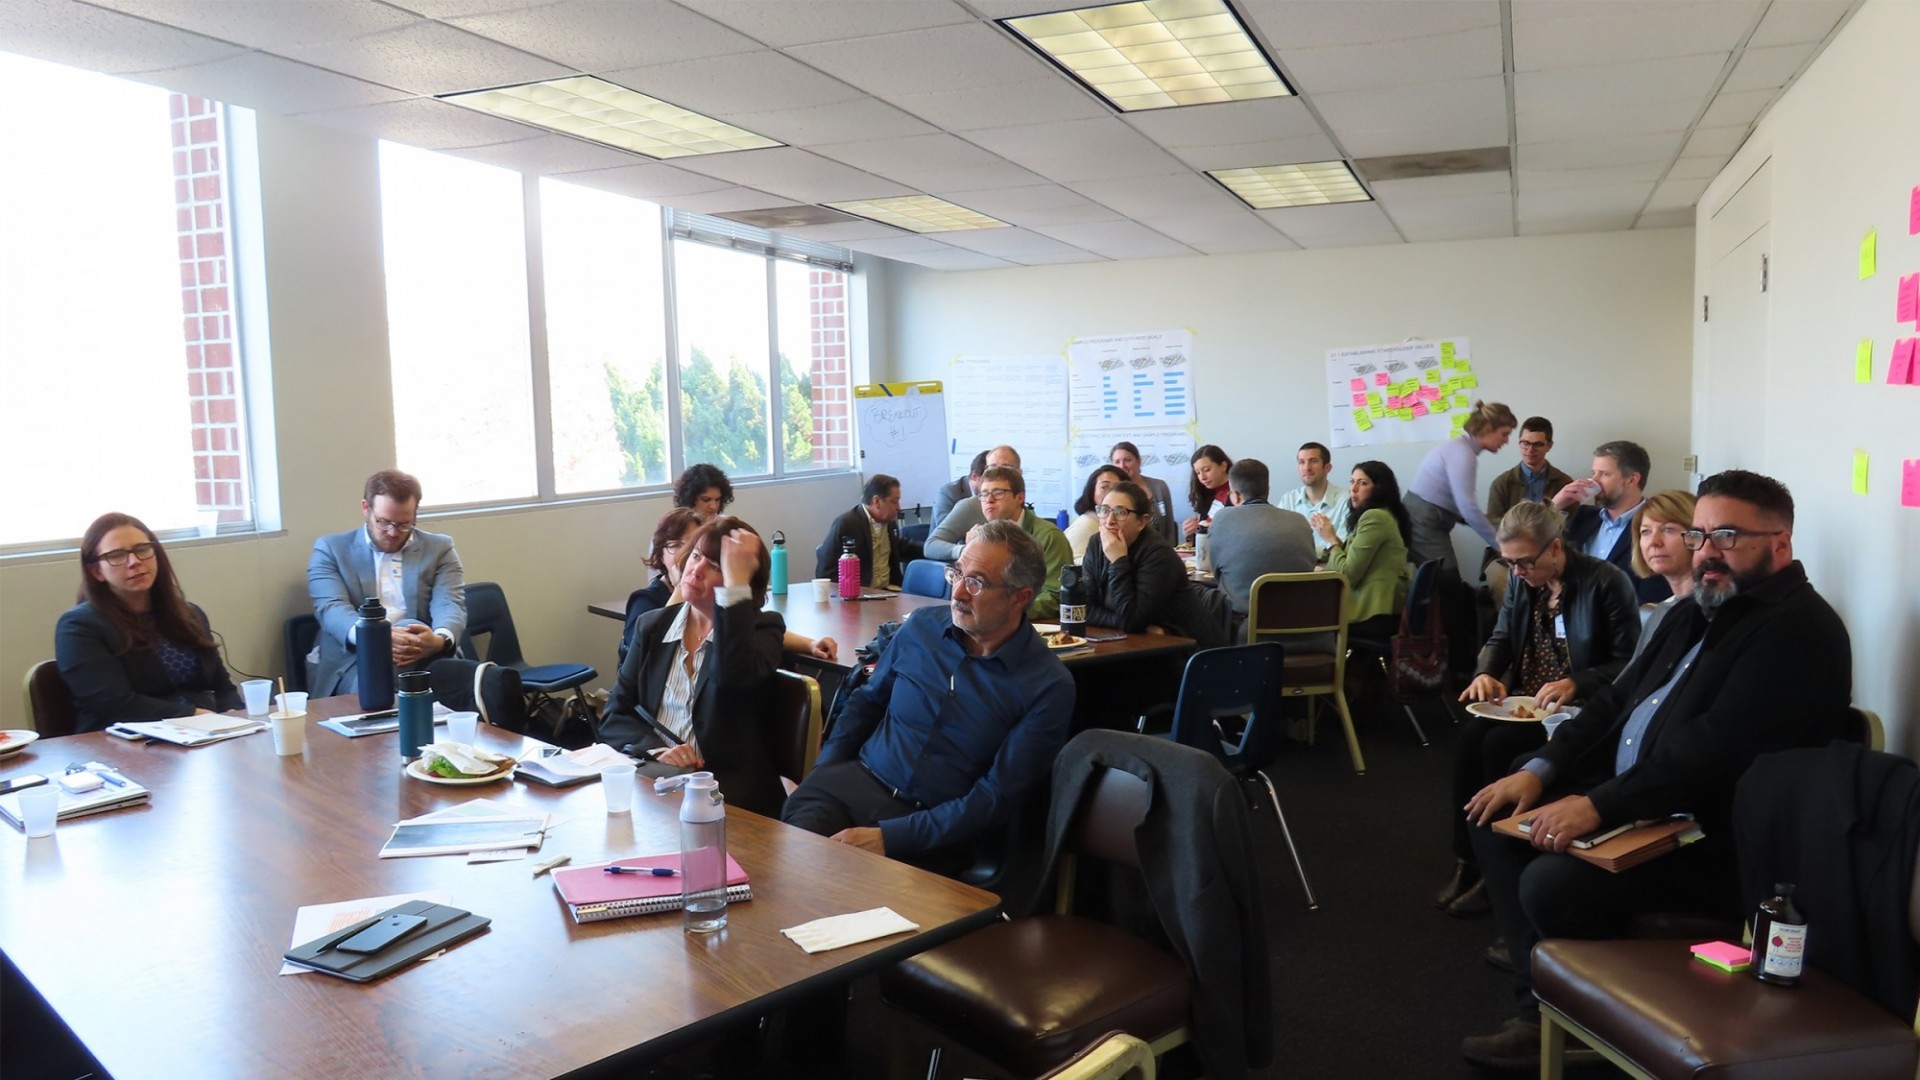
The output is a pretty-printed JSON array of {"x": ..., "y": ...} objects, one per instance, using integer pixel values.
[
  {"x": 1753, "y": 662},
  {"x": 1604, "y": 528}
]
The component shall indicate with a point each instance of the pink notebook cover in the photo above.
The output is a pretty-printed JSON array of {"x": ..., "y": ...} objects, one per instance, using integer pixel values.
[{"x": 593, "y": 885}]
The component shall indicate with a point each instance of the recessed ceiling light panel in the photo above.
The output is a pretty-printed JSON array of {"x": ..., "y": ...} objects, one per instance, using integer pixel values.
[
  {"x": 918, "y": 213},
  {"x": 597, "y": 110},
  {"x": 1315, "y": 183},
  {"x": 1155, "y": 54}
]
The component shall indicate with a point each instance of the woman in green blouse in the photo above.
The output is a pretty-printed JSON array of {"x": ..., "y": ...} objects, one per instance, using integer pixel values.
[{"x": 1374, "y": 555}]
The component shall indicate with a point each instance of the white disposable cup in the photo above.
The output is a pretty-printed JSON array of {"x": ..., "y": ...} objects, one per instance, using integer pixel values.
[
  {"x": 209, "y": 523},
  {"x": 1551, "y": 722},
  {"x": 259, "y": 696},
  {"x": 463, "y": 727},
  {"x": 616, "y": 783},
  {"x": 293, "y": 701},
  {"x": 822, "y": 590},
  {"x": 289, "y": 733},
  {"x": 40, "y": 809}
]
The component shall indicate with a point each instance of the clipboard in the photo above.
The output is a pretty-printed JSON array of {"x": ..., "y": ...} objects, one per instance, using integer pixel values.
[{"x": 444, "y": 926}]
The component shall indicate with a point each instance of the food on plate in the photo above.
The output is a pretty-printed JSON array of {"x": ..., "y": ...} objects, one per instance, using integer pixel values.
[
  {"x": 1521, "y": 712},
  {"x": 455, "y": 762},
  {"x": 1061, "y": 637}
]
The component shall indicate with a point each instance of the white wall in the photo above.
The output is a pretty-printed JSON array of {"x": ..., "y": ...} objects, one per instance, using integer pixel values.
[
  {"x": 1590, "y": 331},
  {"x": 333, "y": 407},
  {"x": 1842, "y": 158}
]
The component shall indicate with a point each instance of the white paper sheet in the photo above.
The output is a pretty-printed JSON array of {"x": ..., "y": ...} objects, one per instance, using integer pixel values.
[{"x": 1126, "y": 382}]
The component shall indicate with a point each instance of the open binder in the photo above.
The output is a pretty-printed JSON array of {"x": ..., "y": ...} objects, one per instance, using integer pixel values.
[{"x": 444, "y": 926}]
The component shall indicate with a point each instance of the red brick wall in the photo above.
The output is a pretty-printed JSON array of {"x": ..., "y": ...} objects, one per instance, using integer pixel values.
[
  {"x": 206, "y": 304},
  {"x": 832, "y": 387}
]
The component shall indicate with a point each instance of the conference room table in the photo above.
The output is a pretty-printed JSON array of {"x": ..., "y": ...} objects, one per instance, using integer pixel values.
[{"x": 155, "y": 932}]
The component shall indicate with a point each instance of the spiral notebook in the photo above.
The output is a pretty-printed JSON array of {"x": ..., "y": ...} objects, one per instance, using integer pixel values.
[{"x": 593, "y": 895}]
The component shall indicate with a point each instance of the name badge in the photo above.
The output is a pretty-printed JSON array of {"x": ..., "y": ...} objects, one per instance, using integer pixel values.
[{"x": 1560, "y": 627}]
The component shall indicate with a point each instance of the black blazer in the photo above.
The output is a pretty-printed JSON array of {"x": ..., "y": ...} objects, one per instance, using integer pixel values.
[
  {"x": 111, "y": 682},
  {"x": 1603, "y": 624},
  {"x": 1584, "y": 522},
  {"x": 730, "y": 692},
  {"x": 1140, "y": 590},
  {"x": 854, "y": 525}
]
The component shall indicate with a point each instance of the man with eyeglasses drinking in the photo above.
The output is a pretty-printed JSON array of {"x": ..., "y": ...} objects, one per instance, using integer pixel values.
[
  {"x": 964, "y": 714},
  {"x": 415, "y": 574},
  {"x": 1003, "y": 497},
  {"x": 1753, "y": 662}
]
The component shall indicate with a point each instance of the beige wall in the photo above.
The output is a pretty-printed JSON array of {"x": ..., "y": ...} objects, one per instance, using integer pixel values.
[{"x": 326, "y": 302}]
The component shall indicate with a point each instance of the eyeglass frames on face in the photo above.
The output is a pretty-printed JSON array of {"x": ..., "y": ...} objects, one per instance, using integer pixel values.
[
  {"x": 970, "y": 584},
  {"x": 996, "y": 493},
  {"x": 398, "y": 528},
  {"x": 119, "y": 556},
  {"x": 1121, "y": 512},
  {"x": 1522, "y": 565},
  {"x": 1723, "y": 539}
]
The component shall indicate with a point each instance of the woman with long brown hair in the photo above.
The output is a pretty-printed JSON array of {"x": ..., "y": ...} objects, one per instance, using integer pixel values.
[{"x": 134, "y": 648}]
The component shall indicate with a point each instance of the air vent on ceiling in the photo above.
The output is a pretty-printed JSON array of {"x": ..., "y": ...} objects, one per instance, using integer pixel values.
[
  {"x": 788, "y": 217},
  {"x": 1443, "y": 163}
]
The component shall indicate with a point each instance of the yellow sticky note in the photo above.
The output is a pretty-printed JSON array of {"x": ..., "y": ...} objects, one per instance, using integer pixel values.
[
  {"x": 1451, "y": 386},
  {"x": 1462, "y": 401},
  {"x": 1859, "y": 472},
  {"x": 1361, "y": 421},
  {"x": 1464, "y": 367},
  {"x": 1373, "y": 398},
  {"x": 1376, "y": 410},
  {"x": 1869, "y": 245},
  {"x": 1469, "y": 381},
  {"x": 1433, "y": 376},
  {"x": 1446, "y": 350},
  {"x": 1440, "y": 404},
  {"x": 1863, "y": 361}
]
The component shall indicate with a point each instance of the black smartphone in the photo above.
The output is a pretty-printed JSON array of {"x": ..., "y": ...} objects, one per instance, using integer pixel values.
[
  {"x": 21, "y": 783},
  {"x": 382, "y": 934}
]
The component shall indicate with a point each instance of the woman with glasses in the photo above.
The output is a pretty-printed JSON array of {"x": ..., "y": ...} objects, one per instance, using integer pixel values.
[
  {"x": 1082, "y": 529},
  {"x": 663, "y": 558},
  {"x": 1208, "y": 490},
  {"x": 1373, "y": 557},
  {"x": 1567, "y": 626},
  {"x": 1126, "y": 455},
  {"x": 1661, "y": 524},
  {"x": 133, "y": 648},
  {"x": 1133, "y": 576}
]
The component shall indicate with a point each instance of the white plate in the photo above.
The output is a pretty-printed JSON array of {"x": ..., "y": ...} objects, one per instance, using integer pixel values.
[
  {"x": 12, "y": 742},
  {"x": 1504, "y": 710},
  {"x": 1070, "y": 643},
  {"x": 417, "y": 769}
]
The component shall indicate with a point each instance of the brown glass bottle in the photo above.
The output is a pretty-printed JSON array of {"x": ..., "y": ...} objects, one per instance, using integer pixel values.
[{"x": 1779, "y": 939}]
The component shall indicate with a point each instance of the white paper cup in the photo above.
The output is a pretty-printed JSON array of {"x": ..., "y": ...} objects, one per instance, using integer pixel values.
[
  {"x": 292, "y": 702},
  {"x": 822, "y": 590},
  {"x": 616, "y": 783},
  {"x": 40, "y": 809},
  {"x": 289, "y": 733},
  {"x": 463, "y": 727},
  {"x": 259, "y": 696}
]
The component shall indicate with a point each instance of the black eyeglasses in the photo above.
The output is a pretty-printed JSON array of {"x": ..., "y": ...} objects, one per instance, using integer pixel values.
[
  {"x": 119, "y": 556},
  {"x": 1522, "y": 565},
  {"x": 1723, "y": 539},
  {"x": 1121, "y": 512},
  {"x": 970, "y": 584},
  {"x": 398, "y": 528}
]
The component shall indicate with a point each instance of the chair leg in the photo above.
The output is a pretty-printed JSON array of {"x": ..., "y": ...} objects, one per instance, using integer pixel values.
[
  {"x": 1553, "y": 1049},
  {"x": 1353, "y": 737},
  {"x": 1313, "y": 904},
  {"x": 1418, "y": 731}
]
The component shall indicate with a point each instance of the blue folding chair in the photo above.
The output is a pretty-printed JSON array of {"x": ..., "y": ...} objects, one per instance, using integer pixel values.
[
  {"x": 926, "y": 577},
  {"x": 488, "y": 616}
]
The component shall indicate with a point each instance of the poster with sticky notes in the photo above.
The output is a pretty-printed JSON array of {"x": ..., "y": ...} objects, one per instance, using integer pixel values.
[
  {"x": 1910, "y": 483},
  {"x": 1863, "y": 361},
  {"x": 1869, "y": 246},
  {"x": 1860, "y": 468},
  {"x": 1413, "y": 391}
]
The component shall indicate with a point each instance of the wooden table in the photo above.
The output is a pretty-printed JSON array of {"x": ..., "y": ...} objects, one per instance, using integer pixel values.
[{"x": 155, "y": 932}]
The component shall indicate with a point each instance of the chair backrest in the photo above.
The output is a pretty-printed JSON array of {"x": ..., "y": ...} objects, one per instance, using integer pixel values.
[
  {"x": 1117, "y": 1056},
  {"x": 926, "y": 577},
  {"x": 49, "y": 702},
  {"x": 1420, "y": 612},
  {"x": 1240, "y": 680},
  {"x": 1112, "y": 809},
  {"x": 1864, "y": 727},
  {"x": 917, "y": 532},
  {"x": 488, "y": 616},
  {"x": 1291, "y": 604},
  {"x": 793, "y": 714},
  {"x": 299, "y": 634}
]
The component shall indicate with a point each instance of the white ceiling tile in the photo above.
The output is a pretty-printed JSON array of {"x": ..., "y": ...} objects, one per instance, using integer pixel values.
[
  {"x": 1598, "y": 153},
  {"x": 269, "y": 83},
  {"x": 1677, "y": 195},
  {"x": 1043, "y": 204},
  {"x": 932, "y": 61},
  {"x": 1463, "y": 217},
  {"x": 1697, "y": 168},
  {"x": 1016, "y": 244},
  {"x": 1537, "y": 206},
  {"x": 726, "y": 200},
  {"x": 779, "y": 23},
  {"x": 545, "y": 155},
  {"x": 1175, "y": 195},
  {"x": 1066, "y": 255},
  {"x": 1533, "y": 178},
  {"x": 1465, "y": 54},
  {"x": 840, "y": 122},
  {"x": 1228, "y": 122},
  {"x": 1666, "y": 219},
  {"x": 898, "y": 244},
  {"x": 1206, "y": 231},
  {"x": 277, "y": 25},
  {"x": 842, "y": 232},
  {"x": 1737, "y": 110},
  {"x": 1247, "y": 243},
  {"x": 927, "y": 162},
  {"x": 100, "y": 40},
  {"x": 1396, "y": 192},
  {"x": 1317, "y": 23},
  {"x": 1042, "y": 100},
  {"x": 1075, "y": 150},
  {"x": 593, "y": 35},
  {"x": 950, "y": 258},
  {"x": 1315, "y": 147},
  {"x": 741, "y": 83},
  {"x": 453, "y": 9},
  {"x": 1117, "y": 239},
  {"x": 652, "y": 181},
  {"x": 1802, "y": 20},
  {"x": 1768, "y": 69},
  {"x": 1595, "y": 118},
  {"x": 802, "y": 176},
  {"x": 1707, "y": 142},
  {"x": 1575, "y": 33},
  {"x": 424, "y": 122},
  {"x": 429, "y": 58},
  {"x": 1340, "y": 225},
  {"x": 1665, "y": 79},
  {"x": 1590, "y": 224},
  {"x": 1416, "y": 119},
  {"x": 1013, "y": 9}
]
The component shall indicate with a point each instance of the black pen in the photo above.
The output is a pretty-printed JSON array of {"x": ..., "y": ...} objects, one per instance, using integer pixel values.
[{"x": 656, "y": 871}]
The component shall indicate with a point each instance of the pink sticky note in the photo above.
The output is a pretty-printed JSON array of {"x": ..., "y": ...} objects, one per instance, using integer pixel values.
[
  {"x": 1360, "y": 398},
  {"x": 1357, "y": 384},
  {"x": 1429, "y": 393},
  {"x": 1724, "y": 951},
  {"x": 1900, "y": 370},
  {"x": 1913, "y": 212},
  {"x": 1419, "y": 409},
  {"x": 1379, "y": 378},
  {"x": 1906, "y": 307},
  {"x": 1910, "y": 483}
]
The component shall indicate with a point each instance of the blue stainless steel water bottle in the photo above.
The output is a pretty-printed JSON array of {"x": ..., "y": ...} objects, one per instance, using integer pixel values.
[
  {"x": 416, "y": 713},
  {"x": 373, "y": 646}
]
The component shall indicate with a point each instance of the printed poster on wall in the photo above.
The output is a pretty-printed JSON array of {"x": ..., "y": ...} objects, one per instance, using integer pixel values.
[
  {"x": 1164, "y": 453},
  {"x": 1416, "y": 391},
  {"x": 1129, "y": 382},
  {"x": 1020, "y": 401}
]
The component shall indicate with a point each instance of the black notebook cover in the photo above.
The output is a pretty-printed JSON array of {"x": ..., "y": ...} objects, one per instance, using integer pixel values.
[{"x": 444, "y": 926}]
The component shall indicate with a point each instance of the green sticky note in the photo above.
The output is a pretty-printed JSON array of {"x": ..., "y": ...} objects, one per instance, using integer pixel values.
[
  {"x": 1863, "y": 361},
  {"x": 1462, "y": 401},
  {"x": 1469, "y": 381},
  {"x": 1464, "y": 367},
  {"x": 1361, "y": 421},
  {"x": 1373, "y": 399},
  {"x": 1451, "y": 386},
  {"x": 1433, "y": 377},
  {"x": 1859, "y": 472},
  {"x": 1446, "y": 350},
  {"x": 1376, "y": 410},
  {"x": 1869, "y": 245},
  {"x": 1440, "y": 404}
]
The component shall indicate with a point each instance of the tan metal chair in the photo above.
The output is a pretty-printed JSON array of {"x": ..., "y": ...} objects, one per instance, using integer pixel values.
[
  {"x": 1292, "y": 607},
  {"x": 794, "y": 716},
  {"x": 1864, "y": 727},
  {"x": 1119, "y": 1056},
  {"x": 49, "y": 702}
]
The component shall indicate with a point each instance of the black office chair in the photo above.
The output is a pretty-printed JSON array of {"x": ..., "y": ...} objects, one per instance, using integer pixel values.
[
  {"x": 299, "y": 634},
  {"x": 1420, "y": 617},
  {"x": 489, "y": 617}
]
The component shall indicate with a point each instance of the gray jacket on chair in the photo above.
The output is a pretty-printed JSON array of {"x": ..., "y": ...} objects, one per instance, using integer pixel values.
[{"x": 340, "y": 574}]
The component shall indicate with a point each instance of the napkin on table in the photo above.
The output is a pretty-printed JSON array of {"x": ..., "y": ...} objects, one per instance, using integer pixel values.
[{"x": 836, "y": 931}]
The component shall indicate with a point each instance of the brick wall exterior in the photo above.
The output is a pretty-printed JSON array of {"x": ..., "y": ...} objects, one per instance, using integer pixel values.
[
  {"x": 206, "y": 303},
  {"x": 832, "y": 385}
]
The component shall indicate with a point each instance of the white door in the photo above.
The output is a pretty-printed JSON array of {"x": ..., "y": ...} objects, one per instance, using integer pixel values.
[{"x": 1730, "y": 415}]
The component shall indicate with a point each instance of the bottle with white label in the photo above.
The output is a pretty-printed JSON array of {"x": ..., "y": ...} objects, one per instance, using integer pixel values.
[{"x": 1779, "y": 939}]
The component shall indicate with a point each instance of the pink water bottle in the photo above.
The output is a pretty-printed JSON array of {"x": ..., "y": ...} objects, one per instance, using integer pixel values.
[{"x": 849, "y": 571}]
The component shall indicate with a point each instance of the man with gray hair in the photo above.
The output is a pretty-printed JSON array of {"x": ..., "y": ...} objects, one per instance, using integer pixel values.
[
  {"x": 1600, "y": 511},
  {"x": 964, "y": 714}
]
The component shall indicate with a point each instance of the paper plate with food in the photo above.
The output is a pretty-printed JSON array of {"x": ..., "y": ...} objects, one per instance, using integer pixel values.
[
  {"x": 14, "y": 741},
  {"x": 1520, "y": 708},
  {"x": 458, "y": 763},
  {"x": 1060, "y": 639}
]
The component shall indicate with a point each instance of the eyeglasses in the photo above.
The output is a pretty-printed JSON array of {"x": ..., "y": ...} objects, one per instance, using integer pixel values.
[
  {"x": 398, "y": 528},
  {"x": 970, "y": 584},
  {"x": 119, "y": 556},
  {"x": 996, "y": 493},
  {"x": 1534, "y": 444},
  {"x": 1121, "y": 512},
  {"x": 1723, "y": 539},
  {"x": 1523, "y": 565}
]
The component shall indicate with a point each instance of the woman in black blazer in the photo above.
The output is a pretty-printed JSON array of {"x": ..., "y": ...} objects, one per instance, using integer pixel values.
[
  {"x": 703, "y": 668},
  {"x": 1134, "y": 577},
  {"x": 134, "y": 648}
]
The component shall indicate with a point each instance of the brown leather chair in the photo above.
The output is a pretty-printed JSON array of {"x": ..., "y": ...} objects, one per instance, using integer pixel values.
[
  {"x": 1286, "y": 607},
  {"x": 49, "y": 702},
  {"x": 1119, "y": 1056},
  {"x": 1029, "y": 993},
  {"x": 794, "y": 723}
]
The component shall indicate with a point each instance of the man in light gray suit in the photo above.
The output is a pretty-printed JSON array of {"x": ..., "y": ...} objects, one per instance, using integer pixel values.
[
  {"x": 1254, "y": 537},
  {"x": 416, "y": 576}
]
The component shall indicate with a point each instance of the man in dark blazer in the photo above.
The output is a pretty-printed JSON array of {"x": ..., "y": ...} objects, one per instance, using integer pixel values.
[
  {"x": 875, "y": 523},
  {"x": 1753, "y": 662},
  {"x": 1604, "y": 529}
]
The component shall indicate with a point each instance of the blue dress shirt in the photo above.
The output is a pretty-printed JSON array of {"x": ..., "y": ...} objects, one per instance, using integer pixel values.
[{"x": 1600, "y": 544}]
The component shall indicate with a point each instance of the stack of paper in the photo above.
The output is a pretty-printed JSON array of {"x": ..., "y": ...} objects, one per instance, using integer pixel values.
[
  {"x": 193, "y": 730},
  {"x": 115, "y": 792}
]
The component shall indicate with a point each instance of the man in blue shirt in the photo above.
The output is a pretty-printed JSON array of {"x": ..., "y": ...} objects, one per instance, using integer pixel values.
[
  {"x": 1604, "y": 529},
  {"x": 964, "y": 714}
]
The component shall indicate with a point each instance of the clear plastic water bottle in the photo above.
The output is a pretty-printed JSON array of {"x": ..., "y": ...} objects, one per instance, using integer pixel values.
[
  {"x": 373, "y": 649},
  {"x": 703, "y": 855}
]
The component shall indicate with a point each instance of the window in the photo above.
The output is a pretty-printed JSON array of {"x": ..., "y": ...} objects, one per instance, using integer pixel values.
[
  {"x": 815, "y": 391},
  {"x": 118, "y": 302},
  {"x": 722, "y": 296}
]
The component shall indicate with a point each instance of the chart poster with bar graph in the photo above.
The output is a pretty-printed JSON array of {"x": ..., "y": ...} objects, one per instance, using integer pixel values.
[
  {"x": 1416, "y": 391},
  {"x": 1126, "y": 382}
]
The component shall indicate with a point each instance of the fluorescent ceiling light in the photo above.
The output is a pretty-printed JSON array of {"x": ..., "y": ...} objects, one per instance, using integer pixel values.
[
  {"x": 1314, "y": 183},
  {"x": 1156, "y": 54},
  {"x": 918, "y": 213},
  {"x": 597, "y": 110}
]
